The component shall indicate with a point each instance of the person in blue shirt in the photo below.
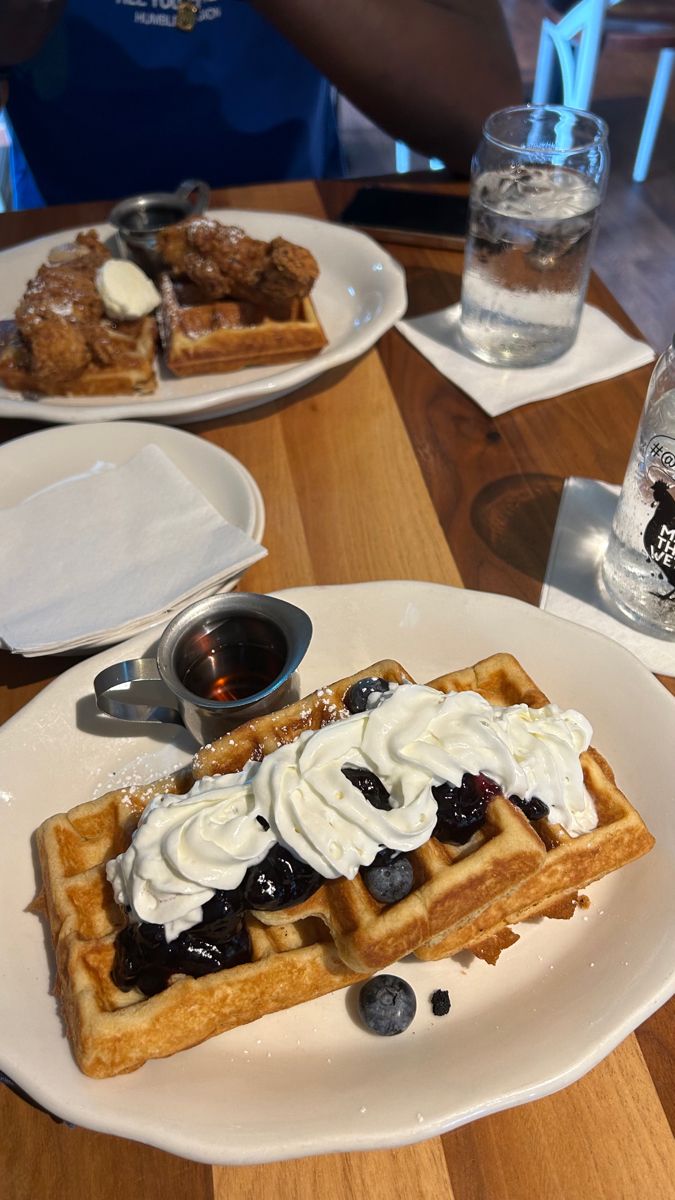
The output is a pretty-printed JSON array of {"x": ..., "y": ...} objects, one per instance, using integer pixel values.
[{"x": 114, "y": 97}]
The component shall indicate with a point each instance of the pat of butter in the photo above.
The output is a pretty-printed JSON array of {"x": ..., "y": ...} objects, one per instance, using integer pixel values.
[{"x": 126, "y": 291}]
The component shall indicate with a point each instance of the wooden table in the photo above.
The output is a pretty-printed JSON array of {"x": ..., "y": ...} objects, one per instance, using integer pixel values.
[{"x": 481, "y": 498}]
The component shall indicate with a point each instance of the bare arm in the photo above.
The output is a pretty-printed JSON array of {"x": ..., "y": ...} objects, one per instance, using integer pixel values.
[{"x": 426, "y": 71}]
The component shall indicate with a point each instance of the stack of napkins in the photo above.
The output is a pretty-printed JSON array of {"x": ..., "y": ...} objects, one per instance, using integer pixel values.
[
  {"x": 601, "y": 351},
  {"x": 92, "y": 560}
]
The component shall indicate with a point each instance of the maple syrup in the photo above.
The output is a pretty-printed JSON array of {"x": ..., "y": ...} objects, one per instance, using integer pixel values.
[{"x": 234, "y": 671}]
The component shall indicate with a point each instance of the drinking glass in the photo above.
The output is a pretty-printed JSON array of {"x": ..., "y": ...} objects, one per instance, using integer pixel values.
[{"x": 538, "y": 179}]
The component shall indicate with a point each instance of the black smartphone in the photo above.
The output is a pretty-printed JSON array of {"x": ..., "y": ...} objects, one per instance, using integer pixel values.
[{"x": 413, "y": 217}]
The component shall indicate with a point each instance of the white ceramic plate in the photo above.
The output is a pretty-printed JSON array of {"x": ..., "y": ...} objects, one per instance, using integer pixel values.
[
  {"x": 360, "y": 293},
  {"x": 311, "y": 1080},
  {"x": 34, "y": 462}
]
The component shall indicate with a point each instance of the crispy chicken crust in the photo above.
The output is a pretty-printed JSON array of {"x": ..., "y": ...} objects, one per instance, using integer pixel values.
[
  {"x": 224, "y": 262},
  {"x": 59, "y": 314}
]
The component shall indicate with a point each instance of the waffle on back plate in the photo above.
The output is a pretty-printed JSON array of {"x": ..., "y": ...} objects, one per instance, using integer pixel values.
[
  {"x": 571, "y": 863},
  {"x": 129, "y": 367},
  {"x": 451, "y": 883},
  {"x": 201, "y": 336}
]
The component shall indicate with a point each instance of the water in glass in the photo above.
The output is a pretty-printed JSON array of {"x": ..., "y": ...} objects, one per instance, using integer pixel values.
[{"x": 527, "y": 261}]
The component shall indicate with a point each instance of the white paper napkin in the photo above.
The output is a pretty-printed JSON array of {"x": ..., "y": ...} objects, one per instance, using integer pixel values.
[
  {"x": 601, "y": 351},
  {"x": 102, "y": 554},
  {"x": 570, "y": 587}
]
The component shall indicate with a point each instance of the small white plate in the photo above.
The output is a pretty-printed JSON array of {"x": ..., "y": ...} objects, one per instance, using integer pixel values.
[
  {"x": 32, "y": 463},
  {"x": 359, "y": 294},
  {"x": 311, "y": 1080}
]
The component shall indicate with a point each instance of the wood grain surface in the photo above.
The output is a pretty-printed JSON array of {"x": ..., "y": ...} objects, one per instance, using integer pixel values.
[{"x": 382, "y": 469}]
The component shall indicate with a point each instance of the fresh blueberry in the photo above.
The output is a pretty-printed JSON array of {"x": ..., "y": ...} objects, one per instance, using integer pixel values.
[
  {"x": 356, "y": 697},
  {"x": 369, "y": 785},
  {"x": 534, "y": 808},
  {"x": 387, "y": 1004},
  {"x": 389, "y": 877}
]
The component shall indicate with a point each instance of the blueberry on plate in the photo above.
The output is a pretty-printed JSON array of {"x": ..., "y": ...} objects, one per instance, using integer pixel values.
[
  {"x": 387, "y": 1004},
  {"x": 389, "y": 877},
  {"x": 356, "y": 697}
]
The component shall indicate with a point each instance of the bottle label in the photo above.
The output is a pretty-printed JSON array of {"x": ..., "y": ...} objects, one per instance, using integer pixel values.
[
  {"x": 659, "y": 534},
  {"x": 660, "y": 452}
]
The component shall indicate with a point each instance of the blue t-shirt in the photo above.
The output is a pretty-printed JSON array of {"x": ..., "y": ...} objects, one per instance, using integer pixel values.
[{"x": 120, "y": 101}]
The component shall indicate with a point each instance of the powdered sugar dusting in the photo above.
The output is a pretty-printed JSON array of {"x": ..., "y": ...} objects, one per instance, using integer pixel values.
[{"x": 142, "y": 771}]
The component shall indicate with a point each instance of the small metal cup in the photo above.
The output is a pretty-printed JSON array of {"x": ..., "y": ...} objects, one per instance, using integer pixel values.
[
  {"x": 259, "y": 640},
  {"x": 138, "y": 220}
]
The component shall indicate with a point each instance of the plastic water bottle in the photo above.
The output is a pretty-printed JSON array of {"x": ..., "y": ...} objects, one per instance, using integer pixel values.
[{"x": 638, "y": 571}]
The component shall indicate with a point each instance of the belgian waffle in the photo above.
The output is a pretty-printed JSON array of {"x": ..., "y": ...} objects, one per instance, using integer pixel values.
[
  {"x": 201, "y": 336},
  {"x": 131, "y": 369},
  {"x": 451, "y": 883},
  {"x": 113, "y": 1032},
  {"x": 294, "y": 957},
  {"x": 571, "y": 863}
]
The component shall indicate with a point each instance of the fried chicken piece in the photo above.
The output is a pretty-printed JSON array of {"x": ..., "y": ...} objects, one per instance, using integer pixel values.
[
  {"x": 60, "y": 312},
  {"x": 59, "y": 352},
  {"x": 61, "y": 324},
  {"x": 290, "y": 272},
  {"x": 225, "y": 263},
  {"x": 63, "y": 292}
]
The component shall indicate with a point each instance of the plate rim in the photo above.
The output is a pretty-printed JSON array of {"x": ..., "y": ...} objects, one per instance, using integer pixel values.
[
  {"x": 243, "y": 396},
  {"x": 199, "y": 1150}
]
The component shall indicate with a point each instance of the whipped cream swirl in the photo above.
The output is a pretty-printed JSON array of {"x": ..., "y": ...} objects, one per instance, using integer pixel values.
[
  {"x": 412, "y": 737},
  {"x": 186, "y": 848}
]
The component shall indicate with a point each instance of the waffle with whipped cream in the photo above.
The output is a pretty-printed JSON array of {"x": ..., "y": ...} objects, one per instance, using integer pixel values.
[
  {"x": 573, "y": 859},
  {"x": 451, "y": 883},
  {"x": 203, "y": 336},
  {"x": 328, "y": 784},
  {"x": 114, "y": 1030}
]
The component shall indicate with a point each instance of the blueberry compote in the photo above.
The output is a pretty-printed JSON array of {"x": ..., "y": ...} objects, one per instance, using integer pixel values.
[
  {"x": 534, "y": 808},
  {"x": 369, "y": 785},
  {"x": 145, "y": 960},
  {"x": 461, "y": 810},
  {"x": 279, "y": 881}
]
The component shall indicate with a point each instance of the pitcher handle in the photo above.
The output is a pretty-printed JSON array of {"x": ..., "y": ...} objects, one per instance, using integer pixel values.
[
  {"x": 202, "y": 193},
  {"x": 129, "y": 706}
]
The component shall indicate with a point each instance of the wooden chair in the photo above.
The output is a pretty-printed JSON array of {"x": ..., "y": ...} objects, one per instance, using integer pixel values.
[{"x": 575, "y": 38}]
